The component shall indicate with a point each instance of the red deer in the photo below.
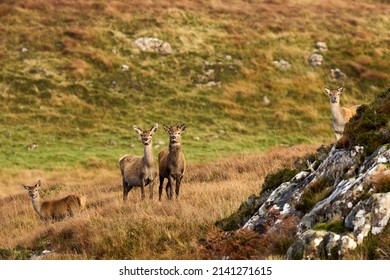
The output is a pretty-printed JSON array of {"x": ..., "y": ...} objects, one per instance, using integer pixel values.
[
  {"x": 340, "y": 115},
  {"x": 140, "y": 171},
  {"x": 171, "y": 161},
  {"x": 55, "y": 209}
]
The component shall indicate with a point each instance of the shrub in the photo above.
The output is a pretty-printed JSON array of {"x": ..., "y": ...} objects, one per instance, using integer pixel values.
[
  {"x": 313, "y": 194},
  {"x": 247, "y": 244},
  {"x": 369, "y": 128}
]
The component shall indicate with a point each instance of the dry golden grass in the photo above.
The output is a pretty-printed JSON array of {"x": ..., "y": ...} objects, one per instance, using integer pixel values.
[{"x": 110, "y": 229}]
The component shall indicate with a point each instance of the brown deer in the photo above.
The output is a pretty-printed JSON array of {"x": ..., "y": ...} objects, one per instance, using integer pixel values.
[
  {"x": 171, "y": 161},
  {"x": 340, "y": 115},
  {"x": 55, "y": 209},
  {"x": 140, "y": 171}
]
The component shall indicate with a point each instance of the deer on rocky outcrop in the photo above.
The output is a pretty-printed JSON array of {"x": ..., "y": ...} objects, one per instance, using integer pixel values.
[
  {"x": 55, "y": 209},
  {"x": 340, "y": 115},
  {"x": 171, "y": 161},
  {"x": 140, "y": 171}
]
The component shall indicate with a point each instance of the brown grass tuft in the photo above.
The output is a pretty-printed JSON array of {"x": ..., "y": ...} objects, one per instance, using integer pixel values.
[
  {"x": 249, "y": 245},
  {"x": 374, "y": 75},
  {"x": 78, "y": 34},
  {"x": 69, "y": 45},
  {"x": 79, "y": 68},
  {"x": 381, "y": 179}
]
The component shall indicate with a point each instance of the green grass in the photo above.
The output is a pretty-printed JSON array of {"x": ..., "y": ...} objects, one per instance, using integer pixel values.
[{"x": 68, "y": 94}]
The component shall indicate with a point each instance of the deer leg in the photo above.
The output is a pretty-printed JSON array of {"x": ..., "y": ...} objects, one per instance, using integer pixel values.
[
  {"x": 151, "y": 186},
  {"x": 126, "y": 189},
  {"x": 143, "y": 190},
  {"x": 178, "y": 184},
  {"x": 169, "y": 187},
  {"x": 160, "y": 188}
]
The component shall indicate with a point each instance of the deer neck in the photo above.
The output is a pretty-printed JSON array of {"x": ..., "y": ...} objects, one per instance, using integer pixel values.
[
  {"x": 148, "y": 155},
  {"x": 175, "y": 149},
  {"x": 36, "y": 202},
  {"x": 336, "y": 112}
]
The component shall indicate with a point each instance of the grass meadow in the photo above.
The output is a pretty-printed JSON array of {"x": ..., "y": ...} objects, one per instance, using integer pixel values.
[{"x": 111, "y": 229}]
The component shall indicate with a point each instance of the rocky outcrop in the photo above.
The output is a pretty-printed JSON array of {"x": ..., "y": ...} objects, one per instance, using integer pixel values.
[
  {"x": 332, "y": 201},
  {"x": 349, "y": 200}
]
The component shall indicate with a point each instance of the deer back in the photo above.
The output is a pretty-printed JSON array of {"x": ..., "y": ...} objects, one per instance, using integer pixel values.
[
  {"x": 134, "y": 170},
  {"x": 58, "y": 209}
]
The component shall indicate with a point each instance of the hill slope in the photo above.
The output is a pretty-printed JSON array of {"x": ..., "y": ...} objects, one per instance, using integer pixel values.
[{"x": 63, "y": 87}]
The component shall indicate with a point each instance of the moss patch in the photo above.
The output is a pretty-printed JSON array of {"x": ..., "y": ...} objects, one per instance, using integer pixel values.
[
  {"x": 370, "y": 127},
  {"x": 333, "y": 226},
  {"x": 272, "y": 181},
  {"x": 238, "y": 218}
]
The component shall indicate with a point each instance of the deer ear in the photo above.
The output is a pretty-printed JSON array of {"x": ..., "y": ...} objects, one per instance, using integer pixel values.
[
  {"x": 154, "y": 128},
  {"x": 137, "y": 129},
  {"x": 327, "y": 90},
  {"x": 340, "y": 89},
  {"x": 183, "y": 127},
  {"x": 26, "y": 187},
  {"x": 166, "y": 128},
  {"x": 38, "y": 184}
]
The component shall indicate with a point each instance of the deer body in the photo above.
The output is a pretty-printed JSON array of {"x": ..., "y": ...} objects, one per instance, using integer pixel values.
[
  {"x": 172, "y": 162},
  {"x": 340, "y": 115},
  {"x": 140, "y": 171},
  {"x": 55, "y": 209}
]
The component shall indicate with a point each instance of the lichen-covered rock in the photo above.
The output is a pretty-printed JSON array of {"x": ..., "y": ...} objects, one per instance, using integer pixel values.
[
  {"x": 153, "y": 45},
  {"x": 352, "y": 199},
  {"x": 370, "y": 215},
  {"x": 347, "y": 193},
  {"x": 279, "y": 203},
  {"x": 321, "y": 244}
]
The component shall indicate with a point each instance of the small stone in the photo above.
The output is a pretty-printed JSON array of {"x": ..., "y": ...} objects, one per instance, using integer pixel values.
[
  {"x": 337, "y": 74},
  {"x": 32, "y": 147},
  {"x": 282, "y": 64},
  {"x": 228, "y": 57},
  {"x": 321, "y": 46},
  {"x": 266, "y": 101},
  {"x": 24, "y": 50},
  {"x": 7, "y": 133},
  {"x": 125, "y": 67},
  {"x": 213, "y": 84},
  {"x": 315, "y": 60},
  {"x": 111, "y": 143},
  {"x": 153, "y": 45}
]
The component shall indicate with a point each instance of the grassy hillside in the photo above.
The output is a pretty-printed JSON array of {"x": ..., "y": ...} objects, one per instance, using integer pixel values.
[{"x": 62, "y": 86}]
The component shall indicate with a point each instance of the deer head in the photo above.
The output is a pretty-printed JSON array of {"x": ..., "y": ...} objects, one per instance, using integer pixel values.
[
  {"x": 146, "y": 135},
  {"x": 175, "y": 132},
  {"x": 33, "y": 190},
  {"x": 334, "y": 94}
]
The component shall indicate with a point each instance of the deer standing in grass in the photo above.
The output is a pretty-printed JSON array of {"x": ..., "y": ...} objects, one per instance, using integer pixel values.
[
  {"x": 140, "y": 171},
  {"x": 340, "y": 115},
  {"x": 55, "y": 209},
  {"x": 171, "y": 161}
]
